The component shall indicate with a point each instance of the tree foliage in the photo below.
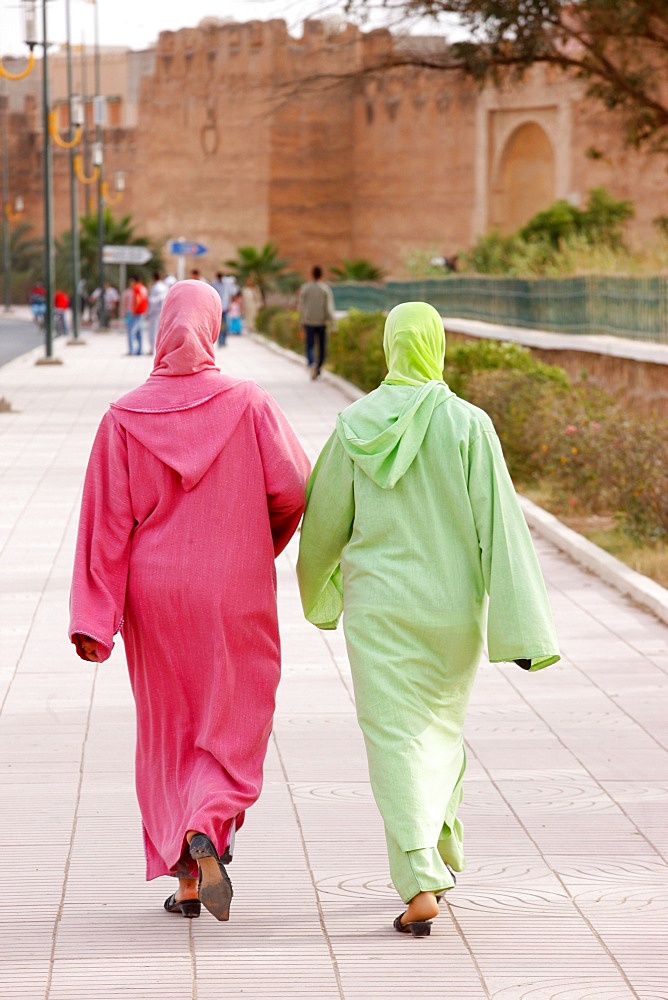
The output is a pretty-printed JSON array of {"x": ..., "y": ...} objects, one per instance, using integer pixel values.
[
  {"x": 26, "y": 252},
  {"x": 262, "y": 264},
  {"x": 618, "y": 47},
  {"x": 600, "y": 221},
  {"x": 117, "y": 232},
  {"x": 26, "y": 259},
  {"x": 540, "y": 245},
  {"x": 357, "y": 269}
]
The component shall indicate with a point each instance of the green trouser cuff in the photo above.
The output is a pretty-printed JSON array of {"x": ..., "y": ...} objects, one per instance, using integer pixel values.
[{"x": 423, "y": 870}]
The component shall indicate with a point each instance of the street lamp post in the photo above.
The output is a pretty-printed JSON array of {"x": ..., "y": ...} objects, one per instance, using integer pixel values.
[
  {"x": 98, "y": 160},
  {"x": 7, "y": 270},
  {"x": 48, "y": 195},
  {"x": 76, "y": 116},
  {"x": 29, "y": 30},
  {"x": 31, "y": 40}
]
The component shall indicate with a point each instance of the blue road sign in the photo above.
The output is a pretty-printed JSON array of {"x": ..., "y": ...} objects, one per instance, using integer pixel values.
[{"x": 186, "y": 248}]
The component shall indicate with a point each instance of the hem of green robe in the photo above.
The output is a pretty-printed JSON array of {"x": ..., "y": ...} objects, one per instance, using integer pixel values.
[{"x": 419, "y": 871}]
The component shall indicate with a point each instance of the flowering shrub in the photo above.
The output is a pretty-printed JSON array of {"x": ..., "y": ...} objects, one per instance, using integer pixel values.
[
  {"x": 617, "y": 464},
  {"x": 523, "y": 407}
]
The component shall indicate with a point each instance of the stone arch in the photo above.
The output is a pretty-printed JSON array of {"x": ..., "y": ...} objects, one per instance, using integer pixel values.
[{"x": 524, "y": 177}]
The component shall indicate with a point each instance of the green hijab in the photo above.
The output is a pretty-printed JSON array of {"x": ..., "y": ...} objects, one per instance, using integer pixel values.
[
  {"x": 383, "y": 432},
  {"x": 414, "y": 344}
]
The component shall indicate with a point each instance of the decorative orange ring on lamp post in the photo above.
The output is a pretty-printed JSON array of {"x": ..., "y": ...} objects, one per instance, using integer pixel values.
[
  {"x": 78, "y": 169},
  {"x": 64, "y": 143},
  {"x": 12, "y": 213},
  {"x": 23, "y": 74},
  {"x": 110, "y": 199}
]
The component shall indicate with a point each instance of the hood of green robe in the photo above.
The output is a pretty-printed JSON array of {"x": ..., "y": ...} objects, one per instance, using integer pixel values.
[{"x": 383, "y": 432}]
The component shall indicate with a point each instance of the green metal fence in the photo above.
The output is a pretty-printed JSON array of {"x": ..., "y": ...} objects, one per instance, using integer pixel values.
[{"x": 624, "y": 307}]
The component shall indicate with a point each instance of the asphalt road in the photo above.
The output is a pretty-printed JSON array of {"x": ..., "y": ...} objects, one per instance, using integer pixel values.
[{"x": 17, "y": 336}]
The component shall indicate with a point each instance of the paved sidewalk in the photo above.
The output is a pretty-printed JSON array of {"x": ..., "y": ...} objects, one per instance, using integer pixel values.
[{"x": 566, "y": 807}]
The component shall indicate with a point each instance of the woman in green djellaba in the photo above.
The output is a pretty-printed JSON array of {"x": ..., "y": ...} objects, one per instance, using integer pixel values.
[{"x": 413, "y": 530}]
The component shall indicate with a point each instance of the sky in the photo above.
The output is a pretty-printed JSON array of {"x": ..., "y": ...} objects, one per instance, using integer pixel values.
[{"x": 137, "y": 23}]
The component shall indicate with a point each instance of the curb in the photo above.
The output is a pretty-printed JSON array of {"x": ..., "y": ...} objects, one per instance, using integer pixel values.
[
  {"x": 639, "y": 588},
  {"x": 349, "y": 390},
  {"x": 647, "y": 352}
]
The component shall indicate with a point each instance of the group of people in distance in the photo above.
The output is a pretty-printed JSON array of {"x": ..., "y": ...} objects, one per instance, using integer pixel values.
[
  {"x": 141, "y": 307},
  {"x": 240, "y": 305},
  {"x": 411, "y": 532},
  {"x": 61, "y": 303}
]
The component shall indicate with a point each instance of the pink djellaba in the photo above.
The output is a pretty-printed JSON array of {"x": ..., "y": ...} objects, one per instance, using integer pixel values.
[{"x": 194, "y": 485}]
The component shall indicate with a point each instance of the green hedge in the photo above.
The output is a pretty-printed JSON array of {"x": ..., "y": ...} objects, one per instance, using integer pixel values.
[
  {"x": 356, "y": 349},
  {"x": 575, "y": 441},
  {"x": 282, "y": 326}
]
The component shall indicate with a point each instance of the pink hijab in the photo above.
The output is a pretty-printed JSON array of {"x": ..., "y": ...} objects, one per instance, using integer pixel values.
[
  {"x": 185, "y": 351},
  {"x": 186, "y": 419},
  {"x": 189, "y": 327}
]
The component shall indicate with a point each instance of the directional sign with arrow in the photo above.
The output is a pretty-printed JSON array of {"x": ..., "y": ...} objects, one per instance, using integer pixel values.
[
  {"x": 125, "y": 255},
  {"x": 186, "y": 248}
]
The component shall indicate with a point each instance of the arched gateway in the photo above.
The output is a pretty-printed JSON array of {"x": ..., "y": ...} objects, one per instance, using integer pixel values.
[{"x": 524, "y": 181}]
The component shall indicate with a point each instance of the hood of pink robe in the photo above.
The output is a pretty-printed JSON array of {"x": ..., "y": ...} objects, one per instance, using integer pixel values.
[{"x": 177, "y": 414}]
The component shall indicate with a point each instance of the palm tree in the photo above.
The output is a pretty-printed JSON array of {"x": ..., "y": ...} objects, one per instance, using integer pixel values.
[
  {"x": 26, "y": 252},
  {"x": 263, "y": 265},
  {"x": 357, "y": 269},
  {"x": 26, "y": 257},
  {"x": 117, "y": 232}
]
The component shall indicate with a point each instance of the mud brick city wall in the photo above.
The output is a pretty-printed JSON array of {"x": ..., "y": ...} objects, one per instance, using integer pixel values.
[{"x": 234, "y": 134}]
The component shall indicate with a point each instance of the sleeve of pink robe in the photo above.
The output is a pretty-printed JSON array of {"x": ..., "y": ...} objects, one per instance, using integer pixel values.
[
  {"x": 286, "y": 470},
  {"x": 103, "y": 543},
  {"x": 107, "y": 521}
]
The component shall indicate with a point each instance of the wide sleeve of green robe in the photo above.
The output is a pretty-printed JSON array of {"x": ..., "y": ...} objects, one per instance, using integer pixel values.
[
  {"x": 325, "y": 532},
  {"x": 519, "y": 620}
]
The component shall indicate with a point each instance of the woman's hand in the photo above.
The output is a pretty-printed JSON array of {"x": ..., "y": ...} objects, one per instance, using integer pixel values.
[{"x": 86, "y": 647}]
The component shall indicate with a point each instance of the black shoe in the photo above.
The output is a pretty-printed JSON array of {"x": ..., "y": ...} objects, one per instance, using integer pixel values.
[
  {"x": 215, "y": 887},
  {"x": 418, "y": 928},
  {"x": 188, "y": 907}
]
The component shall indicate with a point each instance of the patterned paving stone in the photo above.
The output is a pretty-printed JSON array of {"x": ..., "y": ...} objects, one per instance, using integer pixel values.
[{"x": 566, "y": 801}]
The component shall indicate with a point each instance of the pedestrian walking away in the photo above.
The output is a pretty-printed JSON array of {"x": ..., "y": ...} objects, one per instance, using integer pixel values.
[
  {"x": 156, "y": 297},
  {"x": 316, "y": 313},
  {"x": 251, "y": 300},
  {"x": 414, "y": 532},
  {"x": 127, "y": 306},
  {"x": 234, "y": 321},
  {"x": 194, "y": 485},
  {"x": 111, "y": 298},
  {"x": 223, "y": 289},
  {"x": 37, "y": 301},
  {"x": 226, "y": 286},
  {"x": 61, "y": 303},
  {"x": 82, "y": 295},
  {"x": 139, "y": 311}
]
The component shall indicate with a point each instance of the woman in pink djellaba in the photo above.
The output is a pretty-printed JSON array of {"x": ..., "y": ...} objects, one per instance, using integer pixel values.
[{"x": 194, "y": 485}]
